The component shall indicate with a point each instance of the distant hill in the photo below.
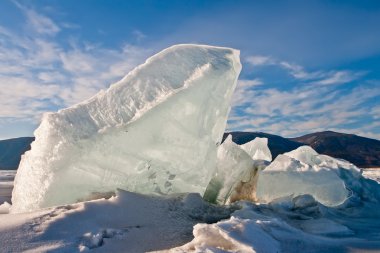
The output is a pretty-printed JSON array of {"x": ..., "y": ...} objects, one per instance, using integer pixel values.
[
  {"x": 361, "y": 151},
  {"x": 11, "y": 151}
]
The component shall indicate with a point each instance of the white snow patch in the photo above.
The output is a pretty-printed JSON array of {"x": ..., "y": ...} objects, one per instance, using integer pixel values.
[{"x": 129, "y": 222}]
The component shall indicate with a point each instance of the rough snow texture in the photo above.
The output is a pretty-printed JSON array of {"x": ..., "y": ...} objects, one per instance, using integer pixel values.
[
  {"x": 129, "y": 222},
  {"x": 298, "y": 224},
  {"x": 304, "y": 171},
  {"x": 237, "y": 173},
  {"x": 136, "y": 223},
  {"x": 155, "y": 131},
  {"x": 258, "y": 149},
  {"x": 233, "y": 235}
]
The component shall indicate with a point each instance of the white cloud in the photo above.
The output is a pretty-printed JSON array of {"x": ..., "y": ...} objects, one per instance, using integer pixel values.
[
  {"x": 295, "y": 70},
  {"x": 51, "y": 77},
  {"x": 139, "y": 35},
  {"x": 244, "y": 91},
  {"x": 77, "y": 62},
  {"x": 21, "y": 97},
  {"x": 339, "y": 77},
  {"x": 298, "y": 72},
  {"x": 245, "y": 123},
  {"x": 306, "y": 107},
  {"x": 39, "y": 73},
  {"x": 42, "y": 24},
  {"x": 257, "y": 60},
  {"x": 38, "y": 22},
  {"x": 249, "y": 83}
]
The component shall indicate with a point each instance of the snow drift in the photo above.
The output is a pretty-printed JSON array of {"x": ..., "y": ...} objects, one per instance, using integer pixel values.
[{"x": 155, "y": 131}]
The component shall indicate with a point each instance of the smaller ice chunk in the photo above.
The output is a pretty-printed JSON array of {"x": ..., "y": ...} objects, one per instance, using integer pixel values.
[
  {"x": 258, "y": 149},
  {"x": 304, "y": 171},
  {"x": 236, "y": 175}
]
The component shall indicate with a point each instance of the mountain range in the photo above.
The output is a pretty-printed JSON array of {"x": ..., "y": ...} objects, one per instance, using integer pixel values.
[
  {"x": 11, "y": 151},
  {"x": 361, "y": 151}
]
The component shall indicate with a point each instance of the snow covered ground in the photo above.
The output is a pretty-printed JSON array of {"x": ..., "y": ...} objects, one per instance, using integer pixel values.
[{"x": 131, "y": 222}]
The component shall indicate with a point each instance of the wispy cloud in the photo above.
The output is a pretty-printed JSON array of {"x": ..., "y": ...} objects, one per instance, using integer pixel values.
[
  {"x": 258, "y": 60},
  {"x": 339, "y": 77},
  {"x": 39, "y": 23},
  {"x": 298, "y": 71},
  {"x": 314, "y": 102},
  {"x": 38, "y": 73},
  {"x": 139, "y": 35},
  {"x": 375, "y": 112},
  {"x": 243, "y": 92},
  {"x": 320, "y": 77}
]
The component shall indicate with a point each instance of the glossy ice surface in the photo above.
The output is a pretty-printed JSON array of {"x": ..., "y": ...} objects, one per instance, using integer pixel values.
[{"x": 155, "y": 131}]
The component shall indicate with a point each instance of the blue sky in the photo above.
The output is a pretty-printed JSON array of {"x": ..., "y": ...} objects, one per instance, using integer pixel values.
[{"x": 307, "y": 65}]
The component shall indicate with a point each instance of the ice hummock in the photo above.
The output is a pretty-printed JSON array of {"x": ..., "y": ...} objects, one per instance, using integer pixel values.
[
  {"x": 238, "y": 167},
  {"x": 155, "y": 131},
  {"x": 304, "y": 171}
]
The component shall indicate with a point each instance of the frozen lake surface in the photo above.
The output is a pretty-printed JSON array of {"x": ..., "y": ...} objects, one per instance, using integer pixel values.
[{"x": 6, "y": 185}]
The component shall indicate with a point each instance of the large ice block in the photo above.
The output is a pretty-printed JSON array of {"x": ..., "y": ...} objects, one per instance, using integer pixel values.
[
  {"x": 155, "y": 131},
  {"x": 304, "y": 171}
]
